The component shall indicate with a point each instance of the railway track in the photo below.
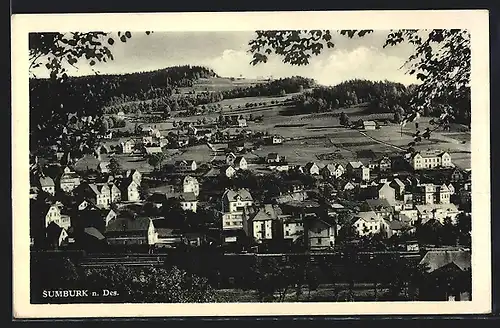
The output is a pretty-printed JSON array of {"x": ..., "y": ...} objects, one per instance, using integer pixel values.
[{"x": 103, "y": 260}]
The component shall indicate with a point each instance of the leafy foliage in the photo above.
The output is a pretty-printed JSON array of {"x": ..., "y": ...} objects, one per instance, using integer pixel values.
[
  {"x": 134, "y": 285},
  {"x": 295, "y": 46},
  {"x": 58, "y": 50},
  {"x": 114, "y": 166}
]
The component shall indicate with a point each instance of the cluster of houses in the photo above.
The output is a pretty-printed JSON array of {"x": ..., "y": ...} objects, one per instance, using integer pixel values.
[{"x": 391, "y": 204}]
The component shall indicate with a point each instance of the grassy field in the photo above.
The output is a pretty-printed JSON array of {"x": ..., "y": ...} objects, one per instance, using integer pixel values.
[
  {"x": 319, "y": 137},
  {"x": 220, "y": 84}
]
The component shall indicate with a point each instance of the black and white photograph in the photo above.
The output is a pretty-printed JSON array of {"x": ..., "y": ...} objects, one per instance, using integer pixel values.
[{"x": 261, "y": 165}]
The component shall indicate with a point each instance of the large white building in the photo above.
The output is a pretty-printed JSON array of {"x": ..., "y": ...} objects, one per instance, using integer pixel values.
[
  {"x": 234, "y": 203},
  {"x": 430, "y": 160}
]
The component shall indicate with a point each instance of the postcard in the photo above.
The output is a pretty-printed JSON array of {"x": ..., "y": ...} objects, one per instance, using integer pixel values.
[{"x": 251, "y": 164}]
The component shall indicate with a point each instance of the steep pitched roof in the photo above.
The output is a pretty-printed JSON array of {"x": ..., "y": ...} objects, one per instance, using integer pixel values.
[
  {"x": 126, "y": 224},
  {"x": 268, "y": 212},
  {"x": 187, "y": 197},
  {"x": 438, "y": 259},
  {"x": 46, "y": 182},
  {"x": 244, "y": 194},
  {"x": 225, "y": 167},
  {"x": 428, "y": 208},
  {"x": 376, "y": 204},
  {"x": 356, "y": 165},
  {"x": 398, "y": 182},
  {"x": 239, "y": 159},
  {"x": 369, "y": 216},
  {"x": 310, "y": 165},
  {"x": 329, "y": 168}
]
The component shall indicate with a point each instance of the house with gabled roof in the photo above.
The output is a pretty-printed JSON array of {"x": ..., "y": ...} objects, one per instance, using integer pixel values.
[
  {"x": 230, "y": 157},
  {"x": 130, "y": 190},
  {"x": 69, "y": 180},
  {"x": 135, "y": 175},
  {"x": 55, "y": 235},
  {"x": 358, "y": 171},
  {"x": 186, "y": 166},
  {"x": 273, "y": 158},
  {"x": 191, "y": 184},
  {"x": 452, "y": 267},
  {"x": 188, "y": 201},
  {"x": 127, "y": 146},
  {"x": 227, "y": 171},
  {"x": 320, "y": 234},
  {"x": 48, "y": 185},
  {"x": 332, "y": 170},
  {"x": 399, "y": 187},
  {"x": 437, "y": 212},
  {"x": 263, "y": 224},
  {"x": 240, "y": 163},
  {"x": 130, "y": 231},
  {"x": 368, "y": 223},
  {"x": 236, "y": 200},
  {"x": 99, "y": 194},
  {"x": 311, "y": 168},
  {"x": 384, "y": 164},
  {"x": 115, "y": 194}
]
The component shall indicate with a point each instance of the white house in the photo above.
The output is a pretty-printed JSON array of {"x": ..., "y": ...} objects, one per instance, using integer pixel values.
[
  {"x": 186, "y": 166},
  {"x": 191, "y": 185},
  {"x": 311, "y": 168},
  {"x": 369, "y": 125},
  {"x": 69, "y": 180},
  {"x": 236, "y": 200},
  {"x": 369, "y": 223},
  {"x": 189, "y": 201},
  {"x": 48, "y": 185},
  {"x": 262, "y": 225},
  {"x": 277, "y": 140},
  {"x": 240, "y": 163},
  {"x": 127, "y": 146},
  {"x": 228, "y": 171}
]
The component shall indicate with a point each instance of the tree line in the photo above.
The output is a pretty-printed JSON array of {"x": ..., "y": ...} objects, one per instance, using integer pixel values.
[{"x": 381, "y": 96}]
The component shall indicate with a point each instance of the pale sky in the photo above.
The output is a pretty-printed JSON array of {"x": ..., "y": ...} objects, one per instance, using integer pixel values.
[{"x": 226, "y": 53}]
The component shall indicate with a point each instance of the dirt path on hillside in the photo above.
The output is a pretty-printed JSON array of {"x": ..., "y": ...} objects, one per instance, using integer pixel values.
[{"x": 382, "y": 142}]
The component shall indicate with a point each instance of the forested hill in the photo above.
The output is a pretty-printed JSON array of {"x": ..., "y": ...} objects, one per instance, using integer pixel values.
[
  {"x": 384, "y": 96},
  {"x": 380, "y": 97},
  {"x": 89, "y": 94}
]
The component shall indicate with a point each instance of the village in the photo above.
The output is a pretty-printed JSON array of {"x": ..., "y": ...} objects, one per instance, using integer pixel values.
[{"x": 223, "y": 203}]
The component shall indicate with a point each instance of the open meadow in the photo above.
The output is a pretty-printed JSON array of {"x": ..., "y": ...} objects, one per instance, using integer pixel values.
[{"x": 317, "y": 137}]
